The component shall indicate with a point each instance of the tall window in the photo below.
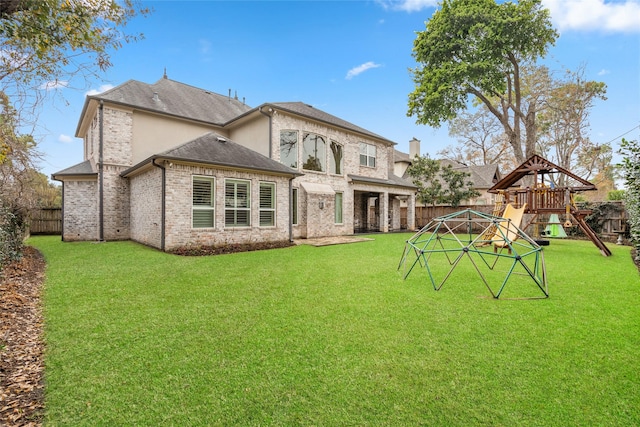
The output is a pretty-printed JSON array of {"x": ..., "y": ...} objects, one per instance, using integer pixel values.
[
  {"x": 267, "y": 204},
  {"x": 237, "y": 203},
  {"x": 294, "y": 202},
  {"x": 203, "y": 202},
  {"x": 289, "y": 148},
  {"x": 335, "y": 164},
  {"x": 338, "y": 208},
  {"x": 314, "y": 152},
  {"x": 367, "y": 155}
]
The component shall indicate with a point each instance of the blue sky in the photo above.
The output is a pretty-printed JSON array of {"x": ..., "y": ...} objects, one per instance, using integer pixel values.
[{"x": 348, "y": 58}]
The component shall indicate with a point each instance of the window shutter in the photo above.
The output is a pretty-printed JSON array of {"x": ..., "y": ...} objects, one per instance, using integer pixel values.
[
  {"x": 267, "y": 204},
  {"x": 203, "y": 202}
]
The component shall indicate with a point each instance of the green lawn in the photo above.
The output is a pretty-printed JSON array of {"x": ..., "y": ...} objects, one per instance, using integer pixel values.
[{"x": 333, "y": 336}]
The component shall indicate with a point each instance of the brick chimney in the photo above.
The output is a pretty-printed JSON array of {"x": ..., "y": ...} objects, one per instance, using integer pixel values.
[{"x": 414, "y": 148}]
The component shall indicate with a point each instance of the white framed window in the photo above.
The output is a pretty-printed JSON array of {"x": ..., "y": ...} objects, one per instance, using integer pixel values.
[
  {"x": 367, "y": 155},
  {"x": 203, "y": 202},
  {"x": 267, "y": 204},
  {"x": 314, "y": 152},
  {"x": 289, "y": 148},
  {"x": 338, "y": 215},
  {"x": 237, "y": 203},
  {"x": 294, "y": 203},
  {"x": 336, "y": 156}
]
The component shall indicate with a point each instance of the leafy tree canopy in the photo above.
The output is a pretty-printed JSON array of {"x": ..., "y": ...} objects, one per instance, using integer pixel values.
[
  {"x": 439, "y": 184},
  {"x": 631, "y": 174},
  {"x": 47, "y": 42},
  {"x": 478, "y": 48}
]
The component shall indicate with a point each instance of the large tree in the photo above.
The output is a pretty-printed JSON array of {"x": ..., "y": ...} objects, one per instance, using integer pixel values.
[
  {"x": 46, "y": 43},
  {"x": 478, "y": 49},
  {"x": 564, "y": 125},
  {"x": 481, "y": 141}
]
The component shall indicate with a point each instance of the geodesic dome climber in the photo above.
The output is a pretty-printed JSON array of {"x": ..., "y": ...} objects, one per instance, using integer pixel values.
[{"x": 499, "y": 251}]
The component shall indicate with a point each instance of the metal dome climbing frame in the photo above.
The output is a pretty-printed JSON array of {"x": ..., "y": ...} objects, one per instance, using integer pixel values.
[{"x": 496, "y": 247}]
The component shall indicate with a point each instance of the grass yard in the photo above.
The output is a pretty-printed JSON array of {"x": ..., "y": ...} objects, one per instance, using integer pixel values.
[{"x": 332, "y": 336}]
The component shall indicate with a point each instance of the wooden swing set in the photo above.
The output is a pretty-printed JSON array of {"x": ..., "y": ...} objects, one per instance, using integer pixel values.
[{"x": 530, "y": 186}]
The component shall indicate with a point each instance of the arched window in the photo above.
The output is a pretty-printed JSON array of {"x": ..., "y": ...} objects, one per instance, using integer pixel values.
[{"x": 314, "y": 152}]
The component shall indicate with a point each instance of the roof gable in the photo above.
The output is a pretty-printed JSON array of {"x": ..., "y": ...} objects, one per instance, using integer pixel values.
[
  {"x": 308, "y": 111},
  {"x": 536, "y": 166}
]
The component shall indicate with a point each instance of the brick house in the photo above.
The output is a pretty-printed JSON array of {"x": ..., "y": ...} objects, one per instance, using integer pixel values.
[{"x": 171, "y": 165}]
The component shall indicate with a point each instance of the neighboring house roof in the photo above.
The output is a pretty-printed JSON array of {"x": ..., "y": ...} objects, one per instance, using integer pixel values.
[
  {"x": 483, "y": 176},
  {"x": 216, "y": 150},
  {"x": 399, "y": 156},
  {"x": 393, "y": 181},
  {"x": 85, "y": 168},
  {"x": 308, "y": 111},
  {"x": 172, "y": 98}
]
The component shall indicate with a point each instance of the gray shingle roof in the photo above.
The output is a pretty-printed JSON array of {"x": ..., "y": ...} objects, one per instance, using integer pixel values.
[
  {"x": 306, "y": 110},
  {"x": 177, "y": 99},
  {"x": 399, "y": 156},
  {"x": 84, "y": 168},
  {"x": 393, "y": 180},
  {"x": 214, "y": 149}
]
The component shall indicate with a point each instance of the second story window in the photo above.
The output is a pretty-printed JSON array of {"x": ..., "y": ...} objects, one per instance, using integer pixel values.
[
  {"x": 367, "y": 155},
  {"x": 289, "y": 148},
  {"x": 335, "y": 163},
  {"x": 314, "y": 152}
]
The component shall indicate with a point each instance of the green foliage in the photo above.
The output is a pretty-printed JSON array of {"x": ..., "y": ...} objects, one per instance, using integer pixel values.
[
  {"x": 614, "y": 195},
  {"x": 468, "y": 47},
  {"x": 440, "y": 185},
  {"x": 47, "y": 42},
  {"x": 631, "y": 174},
  {"x": 480, "y": 48},
  {"x": 139, "y": 337},
  {"x": 11, "y": 236},
  {"x": 601, "y": 212}
]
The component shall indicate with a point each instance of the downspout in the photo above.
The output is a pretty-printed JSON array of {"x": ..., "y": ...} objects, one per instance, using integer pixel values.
[
  {"x": 62, "y": 213},
  {"x": 101, "y": 174},
  {"x": 291, "y": 208},
  {"x": 163, "y": 208},
  {"x": 270, "y": 129}
]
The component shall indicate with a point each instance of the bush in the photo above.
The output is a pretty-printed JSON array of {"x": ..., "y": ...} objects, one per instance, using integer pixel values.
[
  {"x": 11, "y": 236},
  {"x": 615, "y": 195},
  {"x": 631, "y": 172}
]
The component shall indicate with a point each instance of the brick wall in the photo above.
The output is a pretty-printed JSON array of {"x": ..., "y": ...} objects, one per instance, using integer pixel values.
[
  {"x": 80, "y": 211},
  {"x": 146, "y": 207},
  {"x": 179, "y": 231}
]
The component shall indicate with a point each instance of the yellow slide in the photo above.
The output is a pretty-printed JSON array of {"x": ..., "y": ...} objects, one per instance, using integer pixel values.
[{"x": 507, "y": 230}]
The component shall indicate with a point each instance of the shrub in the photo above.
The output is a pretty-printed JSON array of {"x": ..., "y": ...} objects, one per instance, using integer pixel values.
[
  {"x": 11, "y": 236},
  {"x": 631, "y": 173}
]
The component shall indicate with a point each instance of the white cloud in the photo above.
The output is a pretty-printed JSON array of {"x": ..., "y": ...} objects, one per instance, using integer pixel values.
[
  {"x": 102, "y": 88},
  {"x": 361, "y": 69},
  {"x": 604, "y": 72},
  {"x": 586, "y": 15},
  {"x": 408, "y": 5},
  {"x": 54, "y": 84},
  {"x": 66, "y": 139}
]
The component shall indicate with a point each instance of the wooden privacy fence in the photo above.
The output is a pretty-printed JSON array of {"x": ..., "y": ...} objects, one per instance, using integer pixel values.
[
  {"x": 424, "y": 214},
  {"x": 609, "y": 226},
  {"x": 46, "y": 221}
]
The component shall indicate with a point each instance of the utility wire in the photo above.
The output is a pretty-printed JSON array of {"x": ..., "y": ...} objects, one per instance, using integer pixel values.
[{"x": 620, "y": 136}]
